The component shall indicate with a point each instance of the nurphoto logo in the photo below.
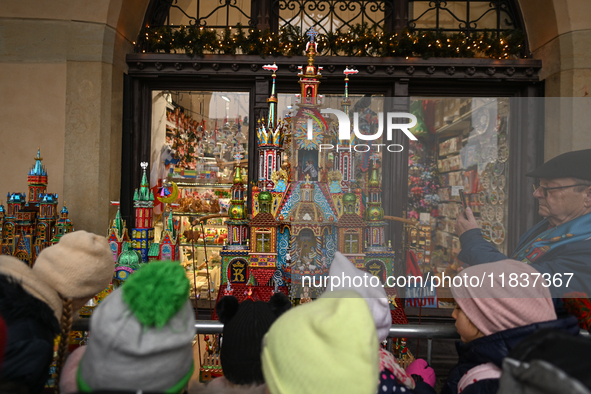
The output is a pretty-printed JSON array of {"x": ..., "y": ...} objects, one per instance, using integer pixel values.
[{"x": 392, "y": 119}]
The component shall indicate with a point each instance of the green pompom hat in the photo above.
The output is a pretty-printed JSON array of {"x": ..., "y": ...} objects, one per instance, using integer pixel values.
[
  {"x": 156, "y": 292},
  {"x": 142, "y": 334}
]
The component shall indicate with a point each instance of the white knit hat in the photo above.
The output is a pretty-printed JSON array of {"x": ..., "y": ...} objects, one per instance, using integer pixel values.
[{"x": 376, "y": 297}]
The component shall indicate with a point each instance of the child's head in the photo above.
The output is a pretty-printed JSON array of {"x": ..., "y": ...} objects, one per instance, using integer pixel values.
[
  {"x": 325, "y": 346},
  {"x": 141, "y": 334},
  {"x": 245, "y": 324},
  {"x": 375, "y": 296},
  {"x": 506, "y": 296}
]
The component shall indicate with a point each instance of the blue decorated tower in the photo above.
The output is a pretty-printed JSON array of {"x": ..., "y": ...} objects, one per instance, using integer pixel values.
[
  {"x": 63, "y": 225},
  {"x": 142, "y": 234},
  {"x": 37, "y": 180}
]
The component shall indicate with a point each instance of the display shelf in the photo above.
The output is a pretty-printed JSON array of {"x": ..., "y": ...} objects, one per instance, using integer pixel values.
[
  {"x": 449, "y": 154},
  {"x": 198, "y": 245},
  {"x": 190, "y": 214},
  {"x": 447, "y": 172},
  {"x": 462, "y": 123},
  {"x": 199, "y": 184}
]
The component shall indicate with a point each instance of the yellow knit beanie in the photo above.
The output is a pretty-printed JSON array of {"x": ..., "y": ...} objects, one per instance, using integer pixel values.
[{"x": 325, "y": 346}]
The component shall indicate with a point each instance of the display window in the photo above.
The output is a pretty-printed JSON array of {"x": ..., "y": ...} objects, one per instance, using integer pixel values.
[{"x": 198, "y": 139}]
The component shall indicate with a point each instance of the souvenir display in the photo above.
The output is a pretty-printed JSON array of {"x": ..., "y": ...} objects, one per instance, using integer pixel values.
[
  {"x": 498, "y": 168},
  {"x": 494, "y": 197},
  {"x": 501, "y": 197},
  {"x": 503, "y": 153},
  {"x": 478, "y": 137},
  {"x": 501, "y": 182},
  {"x": 486, "y": 228},
  {"x": 482, "y": 197},
  {"x": 481, "y": 120},
  {"x": 497, "y": 233},
  {"x": 493, "y": 182},
  {"x": 499, "y": 213},
  {"x": 490, "y": 213},
  {"x": 485, "y": 182}
]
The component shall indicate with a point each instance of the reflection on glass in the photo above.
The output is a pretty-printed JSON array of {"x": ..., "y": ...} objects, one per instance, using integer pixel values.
[
  {"x": 198, "y": 136},
  {"x": 462, "y": 145}
]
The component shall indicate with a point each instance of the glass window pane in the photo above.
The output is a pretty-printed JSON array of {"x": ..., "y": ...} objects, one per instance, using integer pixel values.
[
  {"x": 198, "y": 136},
  {"x": 462, "y": 144}
]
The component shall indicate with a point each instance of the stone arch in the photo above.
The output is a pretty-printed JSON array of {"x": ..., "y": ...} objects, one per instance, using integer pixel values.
[{"x": 559, "y": 33}]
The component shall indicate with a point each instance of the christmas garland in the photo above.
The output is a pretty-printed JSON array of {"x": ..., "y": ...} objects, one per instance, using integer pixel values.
[{"x": 359, "y": 41}]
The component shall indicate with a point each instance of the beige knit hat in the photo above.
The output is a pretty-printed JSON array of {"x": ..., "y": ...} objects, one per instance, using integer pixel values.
[{"x": 79, "y": 266}]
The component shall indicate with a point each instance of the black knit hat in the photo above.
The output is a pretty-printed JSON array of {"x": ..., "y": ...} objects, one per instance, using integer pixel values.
[
  {"x": 245, "y": 325},
  {"x": 576, "y": 164}
]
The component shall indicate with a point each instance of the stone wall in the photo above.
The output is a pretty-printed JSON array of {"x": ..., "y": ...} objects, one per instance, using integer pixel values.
[{"x": 62, "y": 65}]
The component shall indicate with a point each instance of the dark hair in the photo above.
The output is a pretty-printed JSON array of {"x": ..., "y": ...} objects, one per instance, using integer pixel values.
[{"x": 16, "y": 304}]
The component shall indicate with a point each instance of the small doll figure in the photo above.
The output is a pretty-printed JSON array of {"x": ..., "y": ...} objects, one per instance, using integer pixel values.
[
  {"x": 403, "y": 356},
  {"x": 305, "y": 296}
]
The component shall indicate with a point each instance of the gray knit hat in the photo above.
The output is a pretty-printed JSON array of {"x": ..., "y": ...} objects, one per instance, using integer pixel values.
[{"x": 141, "y": 334}]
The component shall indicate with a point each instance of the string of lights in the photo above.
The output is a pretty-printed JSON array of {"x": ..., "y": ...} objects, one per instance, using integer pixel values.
[{"x": 358, "y": 41}]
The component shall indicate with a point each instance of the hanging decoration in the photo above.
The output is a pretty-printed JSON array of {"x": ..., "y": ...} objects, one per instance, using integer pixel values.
[{"x": 359, "y": 41}]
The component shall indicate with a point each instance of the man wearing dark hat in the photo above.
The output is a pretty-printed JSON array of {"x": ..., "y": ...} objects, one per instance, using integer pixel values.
[{"x": 559, "y": 244}]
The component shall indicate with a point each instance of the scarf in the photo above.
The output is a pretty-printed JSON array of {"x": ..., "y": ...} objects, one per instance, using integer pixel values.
[{"x": 575, "y": 230}]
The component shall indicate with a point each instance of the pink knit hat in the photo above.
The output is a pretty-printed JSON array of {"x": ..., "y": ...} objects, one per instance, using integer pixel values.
[{"x": 494, "y": 305}]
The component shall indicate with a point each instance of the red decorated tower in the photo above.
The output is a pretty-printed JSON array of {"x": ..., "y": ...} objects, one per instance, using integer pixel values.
[{"x": 142, "y": 234}]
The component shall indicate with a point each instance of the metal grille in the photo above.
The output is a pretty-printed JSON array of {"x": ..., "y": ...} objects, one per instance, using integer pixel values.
[
  {"x": 217, "y": 14},
  {"x": 331, "y": 16},
  {"x": 467, "y": 16}
]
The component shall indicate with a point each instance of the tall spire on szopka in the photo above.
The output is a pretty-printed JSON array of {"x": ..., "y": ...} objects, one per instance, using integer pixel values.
[
  {"x": 272, "y": 117},
  {"x": 310, "y": 74},
  {"x": 144, "y": 194},
  {"x": 272, "y": 133},
  {"x": 38, "y": 168},
  {"x": 237, "y": 179},
  {"x": 373, "y": 178},
  {"x": 346, "y": 103},
  {"x": 169, "y": 224},
  {"x": 118, "y": 222},
  {"x": 374, "y": 211}
]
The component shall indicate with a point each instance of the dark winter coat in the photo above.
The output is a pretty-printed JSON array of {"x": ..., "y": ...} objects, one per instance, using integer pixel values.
[
  {"x": 492, "y": 349},
  {"x": 548, "y": 362},
  {"x": 32, "y": 327},
  {"x": 570, "y": 258}
]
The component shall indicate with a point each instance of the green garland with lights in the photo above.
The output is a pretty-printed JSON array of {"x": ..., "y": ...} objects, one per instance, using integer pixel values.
[{"x": 359, "y": 41}]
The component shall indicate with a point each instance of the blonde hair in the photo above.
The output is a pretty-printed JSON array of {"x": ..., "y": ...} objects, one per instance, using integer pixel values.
[{"x": 66, "y": 326}]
